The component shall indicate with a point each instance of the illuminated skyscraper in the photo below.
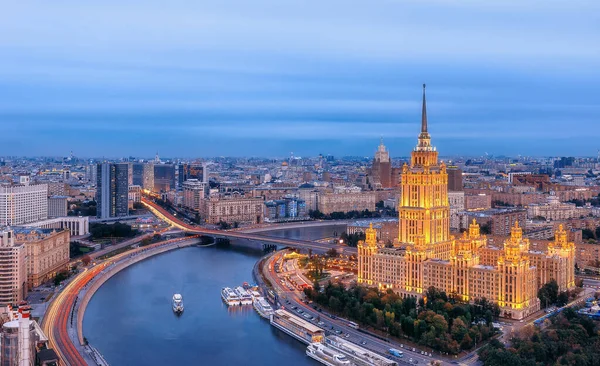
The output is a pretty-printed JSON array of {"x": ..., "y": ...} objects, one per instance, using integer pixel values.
[
  {"x": 426, "y": 255},
  {"x": 112, "y": 192}
]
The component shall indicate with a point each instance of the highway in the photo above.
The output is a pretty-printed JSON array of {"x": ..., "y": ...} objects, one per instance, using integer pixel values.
[
  {"x": 171, "y": 219},
  {"x": 292, "y": 301}
]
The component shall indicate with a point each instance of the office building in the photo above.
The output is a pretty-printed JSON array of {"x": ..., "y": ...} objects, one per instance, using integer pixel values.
[
  {"x": 456, "y": 200},
  {"x": 47, "y": 252},
  {"x": 77, "y": 225},
  {"x": 112, "y": 192},
  {"x": 553, "y": 209},
  {"x": 455, "y": 181},
  {"x": 286, "y": 209},
  {"x": 57, "y": 206},
  {"x": 192, "y": 171},
  {"x": 426, "y": 255},
  {"x": 134, "y": 195},
  {"x": 137, "y": 174},
  {"x": 498, "y": 221},
  {"x": 194, "y": 192},
  {"x": 148, "y": 177},
  {"x": 57, "y": 188},
  {"x": 22, "y": 204},
  {"x": 346, "y": 201},
  {"x": 13, "y": 282},
  {"x": 232, "y": 208},
  {"x": 164, "y": 177}
]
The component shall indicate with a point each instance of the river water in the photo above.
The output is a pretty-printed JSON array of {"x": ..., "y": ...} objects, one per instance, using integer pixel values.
[{"x": 130, "y": 321}]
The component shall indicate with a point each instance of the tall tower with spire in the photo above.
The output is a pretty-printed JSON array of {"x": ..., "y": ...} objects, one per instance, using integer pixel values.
[
  {"x": 424, "y": 210},
  {"x": 381, "y": 168}
]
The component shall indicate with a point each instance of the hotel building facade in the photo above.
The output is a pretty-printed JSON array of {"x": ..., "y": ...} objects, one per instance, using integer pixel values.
[{"x": 426, "y": 255}]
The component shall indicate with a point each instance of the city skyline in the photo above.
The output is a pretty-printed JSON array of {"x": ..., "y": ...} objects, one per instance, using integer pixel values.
[{"x": 198, "y": 80}]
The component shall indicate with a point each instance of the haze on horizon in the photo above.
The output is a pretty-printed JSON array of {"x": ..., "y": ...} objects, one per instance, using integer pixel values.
[{"x": 264, "y": 78}]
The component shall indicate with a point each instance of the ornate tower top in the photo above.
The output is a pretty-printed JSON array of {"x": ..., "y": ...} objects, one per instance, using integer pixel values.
[
  {"x": 474, "y": 229},
  {"x": 424, "y": 143},
  {"x": 371, "y": 235},
  {"x": 515, "y": 246},
  {"x": 382, "y": 155}
]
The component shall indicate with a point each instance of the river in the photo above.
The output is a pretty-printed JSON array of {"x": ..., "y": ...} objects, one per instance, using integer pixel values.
[{"x": 130, "y": 321}]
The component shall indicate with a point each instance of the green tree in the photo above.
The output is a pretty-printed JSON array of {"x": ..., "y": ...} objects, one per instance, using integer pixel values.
[
  {"x": 548, "y": 294},
  {"x": 587, "y": 234}
]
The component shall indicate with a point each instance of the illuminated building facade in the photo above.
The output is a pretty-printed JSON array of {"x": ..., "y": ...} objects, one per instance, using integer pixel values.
[
  {"x": 426, "y": 255},
  {"x": 47, "y": 252}
]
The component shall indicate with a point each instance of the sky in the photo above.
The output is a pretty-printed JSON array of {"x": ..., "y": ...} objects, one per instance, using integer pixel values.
[{"x": 271, "y": 77}]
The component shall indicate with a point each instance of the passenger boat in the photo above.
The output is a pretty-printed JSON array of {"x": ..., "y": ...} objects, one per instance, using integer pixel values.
[
  {"x": 178, "y": 303},
  {"x": 244, "y": 296},
  {"x": 262, "y": 307},
  {"x": 326, "y": 355},
  {"x": 229, "y": 296}
]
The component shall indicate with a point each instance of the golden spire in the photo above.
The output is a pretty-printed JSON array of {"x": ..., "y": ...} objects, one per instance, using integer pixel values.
[
  {"x": 424, "y": 143},
  {"x": 424, "y": 113}
]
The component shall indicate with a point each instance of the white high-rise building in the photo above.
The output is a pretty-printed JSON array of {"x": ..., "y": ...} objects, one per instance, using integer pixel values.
[
  {"x": 194, "y": 192},
  {"x": 13, "y": 268},
  {"x": 21, "y": 204}
]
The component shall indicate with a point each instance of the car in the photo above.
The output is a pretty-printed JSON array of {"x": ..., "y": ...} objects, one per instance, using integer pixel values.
[
  {"x": 416, "y": 362},
  {"x": 347, "y": 335},
  {"x": 294, "y": 307},
  {"x": 414, "y": 350},
  {"x": 321, "y": 323},
  {"x": 401, "y": 345},
  {"x": 363, "y": 342},
  {"x": 410, "y": 360},
  {"x": 338, "y": 331},
  {"x": 300, "y": 311}
]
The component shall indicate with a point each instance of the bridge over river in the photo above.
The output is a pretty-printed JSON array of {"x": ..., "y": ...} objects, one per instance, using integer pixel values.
[{"x": 165, "y": 215}]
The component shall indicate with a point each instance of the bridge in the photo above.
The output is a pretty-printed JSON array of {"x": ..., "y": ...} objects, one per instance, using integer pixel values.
[{"x": 165, "y": 215}]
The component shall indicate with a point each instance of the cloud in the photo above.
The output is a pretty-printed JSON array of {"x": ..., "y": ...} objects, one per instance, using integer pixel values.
[{"x": 296, "y": 71}]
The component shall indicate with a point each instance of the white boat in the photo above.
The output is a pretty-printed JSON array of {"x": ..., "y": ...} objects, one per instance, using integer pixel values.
[
  {"x": 245, "y": 297},
  {"x": 178, "y": 303},
  {"x": 229, "y": 296},
  {"x": 262, "y": 307},
  {"x": 326, "y": 355}
]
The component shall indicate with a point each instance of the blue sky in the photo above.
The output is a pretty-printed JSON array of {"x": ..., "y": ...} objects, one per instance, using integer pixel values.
[{"x": 265, "y": 78}]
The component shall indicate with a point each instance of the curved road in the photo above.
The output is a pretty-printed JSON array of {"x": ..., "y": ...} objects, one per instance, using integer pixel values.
[{"x": 56, "y": 320}]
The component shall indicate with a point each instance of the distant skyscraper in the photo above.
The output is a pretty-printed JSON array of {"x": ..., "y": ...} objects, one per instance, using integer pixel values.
[
  {"x": 381, "y": 170},
  {"x": 164, "y": 177},
  {"x": 112, "y": 190},
  {"x": 148, "y": 177},
  {"x": 137, "y": 174},
  {"x": 191, "y": 171}
]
